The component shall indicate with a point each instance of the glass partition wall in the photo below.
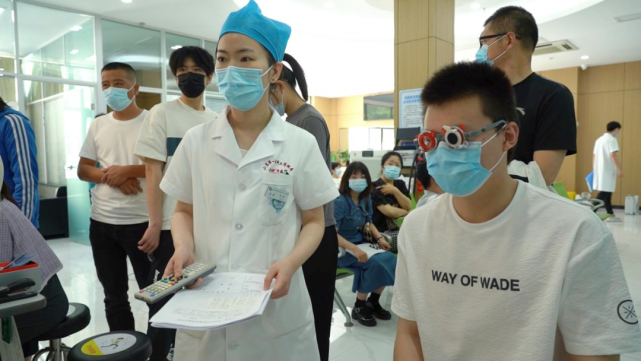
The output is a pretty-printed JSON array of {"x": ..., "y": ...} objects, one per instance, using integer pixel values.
[{"x": 50, "y": 61}]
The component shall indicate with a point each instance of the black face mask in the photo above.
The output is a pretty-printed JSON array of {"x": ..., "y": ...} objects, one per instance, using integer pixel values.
[{"x": 191, "y": 84}]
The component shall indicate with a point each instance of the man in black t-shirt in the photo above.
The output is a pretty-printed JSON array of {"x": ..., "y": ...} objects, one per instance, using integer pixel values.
[{"x": 546, "y": 108}]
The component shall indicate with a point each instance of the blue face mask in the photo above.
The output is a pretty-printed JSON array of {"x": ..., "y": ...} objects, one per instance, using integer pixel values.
[
  {"x": 280, "y": 107},
  {"x": 358, "y": 185},
  {"x": 459, "y": 171},
  {"x": 392, "y": 172},
  {"x": 117, "y": 98},
  {"x": 339, "y": 171},
  {"x": 481, "y": 54},
  {"x": 242, "y": 87}
]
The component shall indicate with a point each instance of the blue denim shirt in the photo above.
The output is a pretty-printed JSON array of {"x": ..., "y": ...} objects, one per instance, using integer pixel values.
[{"x": 350, "y": 218}]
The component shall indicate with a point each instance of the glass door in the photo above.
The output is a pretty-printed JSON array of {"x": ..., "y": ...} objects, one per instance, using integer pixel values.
[{"x": 61, "y": 115}]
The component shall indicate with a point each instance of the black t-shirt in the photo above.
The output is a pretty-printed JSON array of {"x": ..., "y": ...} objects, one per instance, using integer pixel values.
[
  {"x": 546, "y": 112},
  {"x": 379, "y": 199}
]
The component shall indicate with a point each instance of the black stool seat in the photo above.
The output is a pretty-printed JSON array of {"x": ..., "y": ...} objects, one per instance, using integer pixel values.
[
  {"x": 113, "y": 346},
  {"x": 78, "y": 318}
]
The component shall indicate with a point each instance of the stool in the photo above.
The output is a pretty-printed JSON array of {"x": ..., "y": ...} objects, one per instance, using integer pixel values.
[
  {"x": 78, "y": 318},
  {"x": 113, "y": 346}
]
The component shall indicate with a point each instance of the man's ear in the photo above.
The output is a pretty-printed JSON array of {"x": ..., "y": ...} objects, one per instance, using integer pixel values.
[
  {"x": 136, "y": 89},
  {"x": 208, "y": 79},
  {"x": 511, "y": 131}
]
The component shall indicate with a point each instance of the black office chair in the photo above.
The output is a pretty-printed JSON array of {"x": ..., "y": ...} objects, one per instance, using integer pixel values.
[{"x": 78, "y": 317}]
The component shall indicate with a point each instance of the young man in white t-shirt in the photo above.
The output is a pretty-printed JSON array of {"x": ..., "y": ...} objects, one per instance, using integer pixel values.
[
  {"x": 118, "y": 211},
  {"x": 496, "y": 269},
  {"x": 607, "y": 167},
  {"x": 161, "y": 133}
]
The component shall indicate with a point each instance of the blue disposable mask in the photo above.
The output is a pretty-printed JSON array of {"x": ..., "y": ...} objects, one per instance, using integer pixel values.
[
  {"x": 459, "y": 171},
  {"x": 392, "y": 172},
  {"x": 117, "y": 98},
  {"x": 242, "y": 87},
  {"x": 280, "y": 107},
  {"x": 481, "y": 54},
  {"x": 339, "y": 171},
  {"x": 358, "y": 185}
]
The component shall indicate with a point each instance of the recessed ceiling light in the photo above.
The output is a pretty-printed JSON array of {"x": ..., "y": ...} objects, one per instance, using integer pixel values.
[
  {"x": 475, "y": 6},
  {"x": 1, "y": 10},
  {"x": 91, "y": 58},
  {"x": 176, "y": 47},
  {"x": 76, "y": 28},
  {"x": 1, "y": 69},
  {"x": 74, "y": 51},
  {"x": 127, "y": 1},
  {"x": 329, "y": 5},
  {"x": 585, "y": 57}
]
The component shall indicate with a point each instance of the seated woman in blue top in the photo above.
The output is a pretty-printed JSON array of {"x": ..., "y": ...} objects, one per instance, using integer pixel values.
[{"x": 352, "y": 210}]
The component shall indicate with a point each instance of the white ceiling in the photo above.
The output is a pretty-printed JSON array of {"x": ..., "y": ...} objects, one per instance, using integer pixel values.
[{"x": 347, "y": 46}]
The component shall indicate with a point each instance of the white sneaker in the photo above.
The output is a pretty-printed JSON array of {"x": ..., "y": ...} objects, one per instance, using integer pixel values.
[{"x": 614, "y": 219}]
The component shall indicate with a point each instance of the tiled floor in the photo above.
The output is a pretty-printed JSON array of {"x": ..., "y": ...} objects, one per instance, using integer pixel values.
[{"x": 348, "y": 344}]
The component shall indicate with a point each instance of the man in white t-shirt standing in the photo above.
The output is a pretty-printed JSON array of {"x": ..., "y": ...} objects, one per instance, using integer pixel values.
[
  {"x": 486, "y": 271},
  {"x": 118, "y": 210},
  {"x": 161, "y": 133},
  {"x": 606, "y": 167}
]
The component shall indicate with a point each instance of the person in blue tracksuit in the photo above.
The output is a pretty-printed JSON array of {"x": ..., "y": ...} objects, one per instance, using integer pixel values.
[{"x": 18, "y": 153}]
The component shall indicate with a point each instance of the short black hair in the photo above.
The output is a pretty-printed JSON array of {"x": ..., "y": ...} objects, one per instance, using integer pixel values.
[
  {"x": 470, "y": 79},
  {"x": 351, "y": 169},
  {"x": 3, "y": 105},
  {"x": 517, "y": 20},
  {"x": 389, "y": 155},
  {"x": 335, "y": 165},
  {"x": 423, "y": 175},
  {"x": 200, "y": 56},
  {"x": 612, "y": 126},
  {"x": 121, "y": 66}
]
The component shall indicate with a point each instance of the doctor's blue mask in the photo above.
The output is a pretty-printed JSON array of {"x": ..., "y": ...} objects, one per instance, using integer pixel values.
[
  {"x": 481, "y": 54},
  {"x": 358, "y": 185},
  {"x": 242, "y": 87},
  {"x": 458, "y": 171},
  {"x": 117, "y": 98},
  {"x": 280, "y": 107}
]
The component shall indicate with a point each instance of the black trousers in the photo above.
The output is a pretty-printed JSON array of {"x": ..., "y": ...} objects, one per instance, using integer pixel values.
[
  {"x": 111, "y": 245},
  {"x": 162, "y": 339},
  {"x": 33, "y": 324},
  {"x": 607, "y": 198},
  {"x": 320, "y": 277}
]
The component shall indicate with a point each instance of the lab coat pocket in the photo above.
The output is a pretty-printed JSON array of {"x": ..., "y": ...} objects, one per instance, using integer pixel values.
[
  {"x": 284, "y": 316},
  {"x": 275, "y": 199}
]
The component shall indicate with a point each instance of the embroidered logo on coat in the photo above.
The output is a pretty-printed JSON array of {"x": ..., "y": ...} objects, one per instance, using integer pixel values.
[{"x": 278, "y": 167}]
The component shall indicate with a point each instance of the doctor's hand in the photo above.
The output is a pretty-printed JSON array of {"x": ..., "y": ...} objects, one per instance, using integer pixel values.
[
  {"x": 182, "y": 258},
  {"x": 130, "y": 187},
  {"x": 282, "y": 271},
  {"x": 150, "y": 240},
  {"x": 114, "y": 176}
]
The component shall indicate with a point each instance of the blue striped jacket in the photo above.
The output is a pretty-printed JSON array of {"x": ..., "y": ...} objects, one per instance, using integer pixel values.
[{"x": 18, "y": 153}]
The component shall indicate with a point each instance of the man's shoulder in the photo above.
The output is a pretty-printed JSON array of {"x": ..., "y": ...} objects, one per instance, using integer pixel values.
[{"x": 548, "y": 85}]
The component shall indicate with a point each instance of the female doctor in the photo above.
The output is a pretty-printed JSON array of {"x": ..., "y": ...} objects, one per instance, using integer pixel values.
[{"x": 221, "y": 175}]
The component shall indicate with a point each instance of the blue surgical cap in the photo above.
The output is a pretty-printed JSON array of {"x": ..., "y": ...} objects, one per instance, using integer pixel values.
[{"x": 250, "y": 21}]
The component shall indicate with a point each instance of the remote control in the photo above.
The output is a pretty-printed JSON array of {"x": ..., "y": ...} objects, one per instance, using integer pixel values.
[{"x": 170, "y": 285}]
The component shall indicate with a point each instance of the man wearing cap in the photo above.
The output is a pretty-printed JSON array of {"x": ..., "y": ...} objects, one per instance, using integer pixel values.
[{"x": 250, "y": 191}]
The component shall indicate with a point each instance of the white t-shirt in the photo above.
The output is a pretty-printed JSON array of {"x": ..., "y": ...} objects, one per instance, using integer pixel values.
[
  {"x": 605, "y": 172},
  {"x": 499, "y": 290},
  {"x": 161, "y": 133},
  {"x": 111, "y": 142}
]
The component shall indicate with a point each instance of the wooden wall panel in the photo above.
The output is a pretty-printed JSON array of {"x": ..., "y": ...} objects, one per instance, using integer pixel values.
[
  {"x": 595, "y": 112},
  {"x": 438, "y": 13},
  {"x": 630, "y": 144},
  {"x": 568, "y": 77},
  {"x": 599, "y": 79},
  {"x": 411, "y": 23},
  {"x": 441, "y": 53},
  {"x": 326, "y": 106},
  {"x": 350, "y": 106},
  {"x": 633, "y": 76},
  {"x": 412, "y": 64}
]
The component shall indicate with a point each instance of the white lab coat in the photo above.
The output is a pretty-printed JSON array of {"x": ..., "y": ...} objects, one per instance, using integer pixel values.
[
  {"x": 241, "y": 230},
  {"x": 605, "y": 172}
]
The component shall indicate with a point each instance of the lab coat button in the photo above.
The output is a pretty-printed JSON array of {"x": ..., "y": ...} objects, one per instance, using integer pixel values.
[
  {"x": 236, "y": 266},
  {"x": 232, "y": 345},
  {"x": 242, "y": 187},
  {"x": 239, "y": 226}
]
